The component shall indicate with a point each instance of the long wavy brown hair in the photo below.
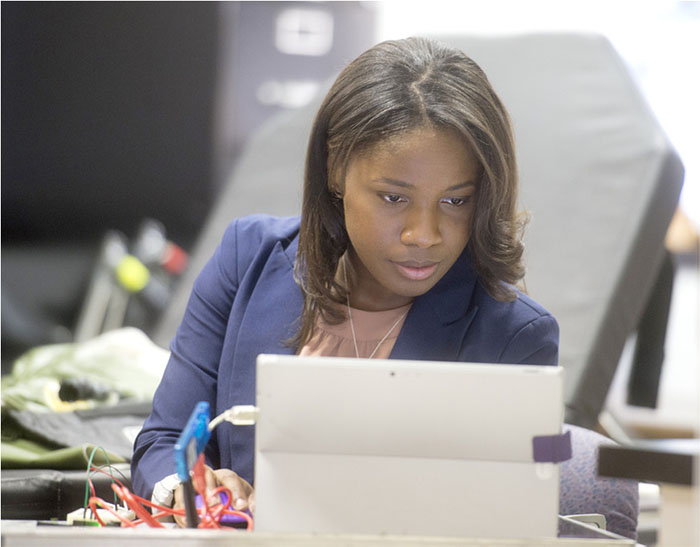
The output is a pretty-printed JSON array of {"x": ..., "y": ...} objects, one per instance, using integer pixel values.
[{"x": 390, "y": 89}]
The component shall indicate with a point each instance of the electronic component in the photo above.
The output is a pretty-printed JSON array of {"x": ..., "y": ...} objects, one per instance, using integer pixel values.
[
  {"x": 84, "y": 517},
  {"x": 189, "y": 446},
  {"x": 192, "y": 440}
]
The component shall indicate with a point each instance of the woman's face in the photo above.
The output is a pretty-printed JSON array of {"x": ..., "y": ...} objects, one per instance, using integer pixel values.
[{"x": 408, "y": 206}]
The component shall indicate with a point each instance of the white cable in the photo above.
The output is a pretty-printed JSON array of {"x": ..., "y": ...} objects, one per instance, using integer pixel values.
[{"x": 237, "y": 415}]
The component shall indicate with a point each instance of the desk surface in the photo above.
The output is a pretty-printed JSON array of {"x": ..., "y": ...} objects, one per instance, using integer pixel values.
[{"x": 26, "y": 533}]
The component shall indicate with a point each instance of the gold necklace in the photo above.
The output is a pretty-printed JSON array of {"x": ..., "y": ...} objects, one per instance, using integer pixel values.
[{"x": 352, "y": 325}]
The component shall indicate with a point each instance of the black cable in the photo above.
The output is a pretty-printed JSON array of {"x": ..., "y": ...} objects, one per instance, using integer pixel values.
[{"x": 190, "y": 507}]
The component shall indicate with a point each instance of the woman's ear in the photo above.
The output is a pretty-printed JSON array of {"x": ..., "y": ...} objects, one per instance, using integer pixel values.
[{"x": 335, "y": 192}]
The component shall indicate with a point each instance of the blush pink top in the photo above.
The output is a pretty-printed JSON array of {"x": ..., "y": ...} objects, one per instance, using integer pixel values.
[{"x": 370, "y": 328}]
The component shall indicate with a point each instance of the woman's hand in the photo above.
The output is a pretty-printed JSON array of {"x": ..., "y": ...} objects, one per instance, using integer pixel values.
[{"x": 242, "y": 493}]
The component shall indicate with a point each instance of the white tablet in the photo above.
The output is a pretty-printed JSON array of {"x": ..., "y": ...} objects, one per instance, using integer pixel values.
[{"x": 407, "y": 447}]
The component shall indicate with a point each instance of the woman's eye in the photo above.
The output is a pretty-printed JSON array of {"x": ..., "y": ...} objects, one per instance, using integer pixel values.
[
  {"x": 393, "y": 198},
  {"x": 457, "y": 202}
]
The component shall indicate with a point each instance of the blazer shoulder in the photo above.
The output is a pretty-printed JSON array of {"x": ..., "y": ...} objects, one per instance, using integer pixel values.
[
  {"x": 255, "y": 230},
  {"x": 250, "y": 239},
  {"x": 528, "y": 333},
  {"x": 522, "y": 309},
  {"x": 529, "y": 308}
]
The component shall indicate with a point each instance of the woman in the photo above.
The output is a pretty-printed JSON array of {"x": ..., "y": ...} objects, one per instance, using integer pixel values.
[{"x": 408, "y": 247}]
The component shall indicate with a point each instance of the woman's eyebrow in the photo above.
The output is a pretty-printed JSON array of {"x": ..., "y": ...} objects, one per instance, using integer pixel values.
[
  {"x": 404, "y": 184},
  {"x": 465, "y": 184}
]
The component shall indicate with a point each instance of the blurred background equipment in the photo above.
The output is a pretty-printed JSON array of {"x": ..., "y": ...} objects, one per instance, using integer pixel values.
[{"x": 121, "y": 120}]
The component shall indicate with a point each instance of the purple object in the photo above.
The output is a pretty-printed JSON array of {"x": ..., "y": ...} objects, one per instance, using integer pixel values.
[
  {"x": 552, "y": 448},
  {"x": 226, "y": 519}
]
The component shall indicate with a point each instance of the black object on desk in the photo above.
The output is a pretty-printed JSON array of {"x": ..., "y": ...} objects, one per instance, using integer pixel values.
[
  {"x": 43, "y": 494},
  {"x": 667, "y": 461}
]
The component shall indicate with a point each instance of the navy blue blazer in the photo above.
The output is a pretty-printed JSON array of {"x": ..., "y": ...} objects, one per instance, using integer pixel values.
[{"x": 246, "y": 302}]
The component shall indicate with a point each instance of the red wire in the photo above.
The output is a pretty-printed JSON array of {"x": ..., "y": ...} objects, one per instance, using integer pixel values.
[
  {"x": 136, "y": 506},
  {"x": 95, "y": 501},
  {"x": 198, "y": 479},
  {"x": 207, "y": 520},
  {"x": 100, "y": 470},
  {"x": 220, "y": 509},
  {"x": 210, "y": 515}
]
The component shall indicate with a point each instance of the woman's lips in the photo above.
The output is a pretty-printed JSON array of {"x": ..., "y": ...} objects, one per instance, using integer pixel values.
[{"x": 416, "y": 271}]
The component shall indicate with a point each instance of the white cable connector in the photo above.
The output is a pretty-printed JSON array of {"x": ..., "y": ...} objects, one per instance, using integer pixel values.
[{"x": 237, "y": 415}]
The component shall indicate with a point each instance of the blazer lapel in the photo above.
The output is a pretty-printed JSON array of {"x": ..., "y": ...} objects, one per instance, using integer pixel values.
[{"x": 439, "y": 320}]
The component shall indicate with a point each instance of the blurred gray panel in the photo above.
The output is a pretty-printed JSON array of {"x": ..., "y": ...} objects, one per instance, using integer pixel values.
[{"x": 601, "y": 182}]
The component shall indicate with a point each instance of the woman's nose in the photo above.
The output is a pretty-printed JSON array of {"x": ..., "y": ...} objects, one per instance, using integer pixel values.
[{"x": 421, "y": 229}]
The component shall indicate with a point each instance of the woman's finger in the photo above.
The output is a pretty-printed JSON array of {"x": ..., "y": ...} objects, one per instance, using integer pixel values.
[
  {"x": 251, "y": 502},
  {"x": 240, "y": 489},
  {"x": 210, "y": 479},
  {"x": 242, "y": 492}
]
